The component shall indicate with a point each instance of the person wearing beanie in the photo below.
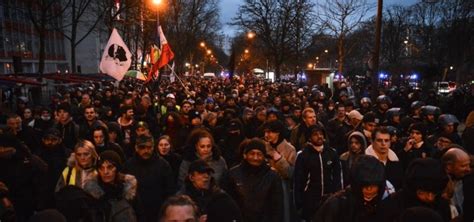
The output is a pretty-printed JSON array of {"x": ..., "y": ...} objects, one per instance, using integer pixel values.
[
  {"x": 254, "y": 186},
  {"x": 361, "y": 200},
  {"x": 369, "y": 123},
  {"x": 322, "y": 163},
  {"x": 415, "y": 146},
  {"x": 425, "y": 181},
  {"x": 116, "y": 190}
]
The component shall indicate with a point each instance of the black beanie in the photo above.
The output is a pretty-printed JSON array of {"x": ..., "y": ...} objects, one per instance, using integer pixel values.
[
  {"x": 314, "y": 128},
  {"x": 255, "y": 144},
  {"x": 419, "y": 126},
  {"x": 426, "y": 174},
  {"x": 274, "y": 126},
  {"x": 112, "y": 157}
]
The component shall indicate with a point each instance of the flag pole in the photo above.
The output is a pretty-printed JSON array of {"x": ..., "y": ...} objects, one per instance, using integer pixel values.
[{"x": 181, "y": 81}]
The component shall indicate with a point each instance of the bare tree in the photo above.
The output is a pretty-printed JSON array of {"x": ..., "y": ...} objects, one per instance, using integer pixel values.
[
  {"x": 341, "y": 18},
  {"x": 280, "y": 26}
]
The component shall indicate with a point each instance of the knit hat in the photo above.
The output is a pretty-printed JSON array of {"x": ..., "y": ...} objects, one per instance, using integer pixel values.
[
  {"x": 426, "y": 174},
  {"x": 313, "y": 129},
  {"x": 52, "y": 132},
  {"x": 370, "y": 118},
  {"x": 143, "y": 140},
  {"x": 112, "y": 157},
  {"x": 255, "y": 144}
]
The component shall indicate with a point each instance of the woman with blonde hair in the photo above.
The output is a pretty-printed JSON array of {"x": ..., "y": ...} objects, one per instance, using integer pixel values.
[{"x": 80, "y": 166}]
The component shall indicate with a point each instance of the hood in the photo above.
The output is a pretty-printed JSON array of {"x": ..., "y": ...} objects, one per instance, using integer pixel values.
[
  {"x": 361, "y": 138},
  {"x": 129, "y": 184},
  {"x": 367, "y": 170}
]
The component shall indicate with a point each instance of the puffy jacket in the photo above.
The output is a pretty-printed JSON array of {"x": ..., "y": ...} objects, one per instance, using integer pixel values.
[
  {"x": 317, "y": 175},
  {"x": 258, "y": 192}
]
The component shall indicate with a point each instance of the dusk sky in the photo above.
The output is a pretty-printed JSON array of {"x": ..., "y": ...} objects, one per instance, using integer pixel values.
[{"x": 229, "y": 9}]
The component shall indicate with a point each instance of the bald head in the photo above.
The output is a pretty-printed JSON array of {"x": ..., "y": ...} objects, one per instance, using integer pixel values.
[{"x": 457, "y": 162}]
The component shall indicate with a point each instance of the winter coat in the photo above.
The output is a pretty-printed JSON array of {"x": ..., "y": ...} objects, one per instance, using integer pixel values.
[
  {"x": 73, "y": 175},
  {"x": 349, "y": 205},
  {"x": 393, "y": 168},
  {"x": 407, "y": 156},
  {"x": 337, "y": 131},
  {"x": 468, "y": 139},
  {"x": 348, "y": 158},
  {"x": 216, "y": 162},
  {"x": 155, "y": 179},
  {"x": 174, "y": 160},
  {"x": 23, "y": 174},
  {"x": 257, "y": 191},
  {"x": 317, "y": 175},
  {"x": 215, "y": 202},
  {"x": 69, "y": 132},
  {"x": 285, "y": 167},
  {"x": 56, "y": 159},
  {"x": 117, "y": 207}
]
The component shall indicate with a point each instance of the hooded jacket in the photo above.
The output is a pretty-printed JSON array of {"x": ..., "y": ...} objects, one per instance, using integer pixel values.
[
  {"x": 348, "y": 158},
  {"x": 349, "y": 205},
  {"x": 118, "y": 200}
]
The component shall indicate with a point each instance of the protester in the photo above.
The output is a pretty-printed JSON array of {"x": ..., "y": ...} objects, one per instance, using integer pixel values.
[
  {"x": 213, "y": 203},
  {"x": 154, "y": 176},
  {"x": 167, "y": 152},
  {"x": 179, "y": 208},
  {"x": 322, "y": 163},
  {"x": 254, "y": 186}
]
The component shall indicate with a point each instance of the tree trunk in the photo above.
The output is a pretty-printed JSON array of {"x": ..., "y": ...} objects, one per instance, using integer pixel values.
[
  {"x": 41, "y": 56},
  {"x": 341, "y": 53}
]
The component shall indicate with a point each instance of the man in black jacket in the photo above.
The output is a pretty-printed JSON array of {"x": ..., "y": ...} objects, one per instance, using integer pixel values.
[
  {"x": 359, "y": 202},
  {"x": 67, "y": 127},
  {"x": 214, "y": 203},
  {"x": 154, "y": 176},
  {"x": 317, "y": 173},
  {"x": 256, "y": 188}
]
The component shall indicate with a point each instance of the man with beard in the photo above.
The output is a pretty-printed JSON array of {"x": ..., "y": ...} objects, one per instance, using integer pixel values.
[
  {"x": 55, "y": 155},
  {"x": 317, "y": 173},
  {"x": 256, "y": 188},
  {"x": 214, "y": 203},
  {"x": 154, "y": 176},
  {"x": 66, "y": 126},
  {"x": 424, "y": 183},
  {"x": 360, "y": 201}
]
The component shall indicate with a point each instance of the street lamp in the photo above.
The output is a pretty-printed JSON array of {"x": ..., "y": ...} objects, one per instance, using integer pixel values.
[
  {"x": 246, "y": 51},
  {"x": 326, "y": 51},
  {"x": 451, "y": 67},
  {"x": 250, "y": 35},
  {"x": 310, "y": 66},
  {"x": 208, "y": 51},
  {"x": 202, "y": 44}
]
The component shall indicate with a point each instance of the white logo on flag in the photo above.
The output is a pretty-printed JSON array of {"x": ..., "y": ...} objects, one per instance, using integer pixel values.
[{"x": 116, "y": 59}]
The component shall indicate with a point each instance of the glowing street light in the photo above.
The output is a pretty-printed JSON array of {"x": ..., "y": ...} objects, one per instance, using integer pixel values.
[
  {"x": 156, "y": 2},
  {"x": 208, "y": 51},
  {"x": 451, "y": 67},
  {"x": 250, "y": 35},
  {"x": 187, "y": 64},
  {"x": 246, "y": 51},
  {"x": 202, "y": 44},
  {"x": 310, "y": 65},
  {"x": 406, "y": 41},
  {"x": 326, "y": 51}
]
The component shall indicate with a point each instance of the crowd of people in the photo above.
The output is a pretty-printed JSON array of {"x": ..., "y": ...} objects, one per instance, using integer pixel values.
[{"x": 247, "y": 150}]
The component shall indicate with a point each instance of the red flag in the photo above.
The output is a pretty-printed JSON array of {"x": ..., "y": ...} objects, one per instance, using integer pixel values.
[{"x": 166, "y": 53}]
